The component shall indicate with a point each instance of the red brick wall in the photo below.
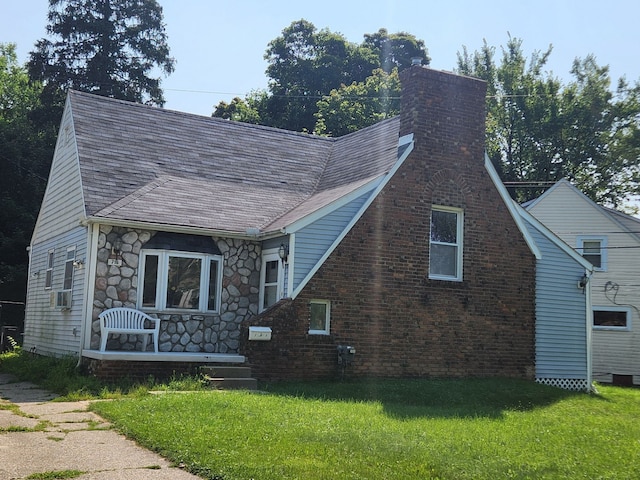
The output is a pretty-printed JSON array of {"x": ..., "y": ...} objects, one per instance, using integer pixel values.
[{"x": 382, "y": 301}]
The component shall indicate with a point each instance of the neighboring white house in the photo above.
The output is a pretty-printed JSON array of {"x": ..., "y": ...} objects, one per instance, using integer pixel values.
[{"x": 611, "y": 241}]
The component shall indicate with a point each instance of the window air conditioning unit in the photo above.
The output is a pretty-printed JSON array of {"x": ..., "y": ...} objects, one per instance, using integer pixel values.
[{"x": 61, "y": 299}]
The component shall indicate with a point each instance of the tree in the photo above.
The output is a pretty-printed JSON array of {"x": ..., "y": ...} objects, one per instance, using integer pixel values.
[
  {"x": 24, "y": 162},
  {"x": 602, "y": 133},
  {"x": 311, "y": 70},
  {"x": 539, "y": 131},
  {"x": 306, "y": 64},
  {"x": 107, "y": 47},
  {"x": 247, "y": 110},
  {"x": 351, "y": 108},
  {"x": 396, "y": 50}
]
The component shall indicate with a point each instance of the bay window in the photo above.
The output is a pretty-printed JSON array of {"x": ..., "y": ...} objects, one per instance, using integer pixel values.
[{"x": 173, "y": 280}]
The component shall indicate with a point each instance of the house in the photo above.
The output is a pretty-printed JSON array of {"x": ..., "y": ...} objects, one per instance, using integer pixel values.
[
  {"x": 609, "y": 240},
  {"x": 392, "y": 251}
]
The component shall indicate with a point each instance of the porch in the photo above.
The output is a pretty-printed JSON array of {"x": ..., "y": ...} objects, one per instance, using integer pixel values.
[
  {"x": 138, "y": 356},
  {"x": 223, "y": 370}
]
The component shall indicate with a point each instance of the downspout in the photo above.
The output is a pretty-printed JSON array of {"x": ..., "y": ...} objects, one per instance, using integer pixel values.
[{"x": 589, "y": 317}]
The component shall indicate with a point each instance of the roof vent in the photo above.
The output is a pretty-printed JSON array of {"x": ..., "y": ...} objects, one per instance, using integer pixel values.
[{"x": 416, "y": 61}]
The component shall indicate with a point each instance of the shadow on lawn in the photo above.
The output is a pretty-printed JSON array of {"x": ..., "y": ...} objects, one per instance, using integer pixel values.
[{"x": 414, "y": 398}]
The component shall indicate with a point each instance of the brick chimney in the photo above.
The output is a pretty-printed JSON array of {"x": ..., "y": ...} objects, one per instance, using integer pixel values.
[{"x": 446, "y": 114}]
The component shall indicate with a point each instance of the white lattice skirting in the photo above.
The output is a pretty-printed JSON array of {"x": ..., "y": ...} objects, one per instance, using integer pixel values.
[{"x": 577, "y": 384}]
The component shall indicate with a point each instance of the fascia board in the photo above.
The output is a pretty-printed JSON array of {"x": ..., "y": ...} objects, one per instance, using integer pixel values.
[
  {"x": 511, "y": 206},
  {"x": 407, "y": 139},
  {"x": 176, "y": 228}
]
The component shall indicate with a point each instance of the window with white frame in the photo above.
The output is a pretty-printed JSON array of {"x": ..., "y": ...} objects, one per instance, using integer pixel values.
[
  {"x": 48, "y": 279},
  {"x": 611, "y": 318},
  {"x": 594, "y": 249},
  {"x": 271, "y": 279},
  {"x": 445, "y": 243},
  {"x": 319, "y": 317},
  {"x": 174, "y": 280},
  {"x": 67, "y": 283}
]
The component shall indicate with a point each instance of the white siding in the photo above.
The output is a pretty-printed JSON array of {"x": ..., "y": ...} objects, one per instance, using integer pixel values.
[
  {"x": 312, "y": 241},
  {"x": 561, "y": 310},
  {"x": 569, "y": 214},
  {"x": 63, "y": 204},
  {"x": 48, "y": 330}
]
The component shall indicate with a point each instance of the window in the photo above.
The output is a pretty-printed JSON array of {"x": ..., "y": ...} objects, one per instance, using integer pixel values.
[
  {"x": 174, "y": 280},
  {"x": 271, "y": 284},
  {"x": 594, "y": 250},
  {"x": 611, "y": 318},
  {"x": 48, "y": 279},
  {"x": 67, "y": 283},
  {"x": 445, "y": 245},
  {"x": 320, "y": 313}
]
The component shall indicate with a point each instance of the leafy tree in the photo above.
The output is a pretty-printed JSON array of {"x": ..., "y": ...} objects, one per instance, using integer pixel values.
[
  {"x": 24, "y": 161},
  {"x": 247, "y": 110},
  {"x": 307, "y": 66},
  {"x": 304, "y": 65},
  {"x": 396, "y": 50},
  {"x": 358, "y": 105},
  {"x": 602, "y": 133},
  {"x": 539, "y": 130},
  {"x": 107, "y": 47}
]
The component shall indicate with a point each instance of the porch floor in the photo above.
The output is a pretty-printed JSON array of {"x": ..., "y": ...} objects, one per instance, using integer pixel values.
[{"x": 137, "y": 356}]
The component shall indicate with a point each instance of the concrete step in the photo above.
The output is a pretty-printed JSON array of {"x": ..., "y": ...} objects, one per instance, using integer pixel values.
[
  {"x": 223, "y": 371},
  {"x": 228, "y": 383},
  {"x": 229, "y": 377}
]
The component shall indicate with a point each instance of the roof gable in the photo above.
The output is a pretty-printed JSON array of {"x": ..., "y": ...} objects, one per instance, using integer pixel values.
[{"x": 558, "y": 194}]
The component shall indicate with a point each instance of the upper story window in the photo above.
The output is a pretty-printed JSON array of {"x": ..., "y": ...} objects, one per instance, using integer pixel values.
[
  {"x": 67, "y": 283},
  {"x": 594, "y": 249},
  {"x": 445, "y": 244},
  {"x": 48, "y": 279},
  {"x": 173, "y": 280}
]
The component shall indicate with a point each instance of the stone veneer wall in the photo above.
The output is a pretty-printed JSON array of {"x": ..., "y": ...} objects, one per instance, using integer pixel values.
[{"x": 117, "y": 286}]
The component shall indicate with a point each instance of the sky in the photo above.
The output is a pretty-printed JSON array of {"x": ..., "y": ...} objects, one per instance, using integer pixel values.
[{"x": 219, "y": 44}]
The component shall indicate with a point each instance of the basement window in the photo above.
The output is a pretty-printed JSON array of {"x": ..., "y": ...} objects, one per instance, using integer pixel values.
[{"x": 611, "y": 318}]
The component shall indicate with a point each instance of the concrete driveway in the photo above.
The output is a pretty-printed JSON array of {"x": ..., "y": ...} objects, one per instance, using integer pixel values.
[{"x": 43, "y": 436}]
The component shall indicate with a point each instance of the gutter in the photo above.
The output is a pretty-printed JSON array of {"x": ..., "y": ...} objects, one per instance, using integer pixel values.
[{"x": 250, "y": 233}]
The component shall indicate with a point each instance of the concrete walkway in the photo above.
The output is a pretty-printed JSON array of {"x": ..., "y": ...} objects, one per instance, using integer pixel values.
[{"x": 68, "y": 437}]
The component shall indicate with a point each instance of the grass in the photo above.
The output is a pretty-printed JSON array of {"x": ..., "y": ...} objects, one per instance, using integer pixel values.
[
  {"x": 392, "y": 429},
  {"x": 56, "y": 475},
  {"x": 61, "y": 375},
  {"x": 376, "y": 429}
]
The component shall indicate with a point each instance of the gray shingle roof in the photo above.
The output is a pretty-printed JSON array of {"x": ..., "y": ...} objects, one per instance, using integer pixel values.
[{"x": 147, "y": 164}]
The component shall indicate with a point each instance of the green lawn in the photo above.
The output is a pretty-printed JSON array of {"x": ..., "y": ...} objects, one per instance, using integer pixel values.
[{"x": 395, "y": 429}]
